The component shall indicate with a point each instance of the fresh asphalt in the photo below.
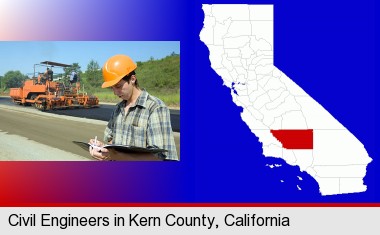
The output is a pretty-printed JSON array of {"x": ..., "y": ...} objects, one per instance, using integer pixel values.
[{"x": 103, "y": 112}]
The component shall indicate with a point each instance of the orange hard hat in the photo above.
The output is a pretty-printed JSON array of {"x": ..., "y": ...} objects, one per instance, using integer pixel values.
[{"x": 115, "y": 68}]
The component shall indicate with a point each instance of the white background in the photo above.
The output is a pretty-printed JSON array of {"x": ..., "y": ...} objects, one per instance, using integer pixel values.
[{"x": 308, "y": 220}]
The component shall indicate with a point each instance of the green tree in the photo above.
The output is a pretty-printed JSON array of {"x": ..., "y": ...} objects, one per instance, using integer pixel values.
[
  {"x": 94, "y": 74},
  {"x": 14, "y": 79}
]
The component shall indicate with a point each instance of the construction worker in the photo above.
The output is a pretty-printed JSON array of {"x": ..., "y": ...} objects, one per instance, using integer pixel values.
[
  {"x": 41, "y": 79},
  {"x": 48, "y": 74},
  {"x": 139, "y": 120},
  {"x": 73, "y": 77}
]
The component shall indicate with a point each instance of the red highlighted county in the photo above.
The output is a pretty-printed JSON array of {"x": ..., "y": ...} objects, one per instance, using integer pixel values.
[{"x": 294, "y": 139}]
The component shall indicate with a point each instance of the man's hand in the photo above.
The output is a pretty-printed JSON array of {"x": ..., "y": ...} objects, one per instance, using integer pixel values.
[{"x": 97, "y": 151}]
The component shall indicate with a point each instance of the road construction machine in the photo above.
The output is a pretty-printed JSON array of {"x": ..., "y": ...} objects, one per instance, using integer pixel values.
[{"x": 45, "y": 91}]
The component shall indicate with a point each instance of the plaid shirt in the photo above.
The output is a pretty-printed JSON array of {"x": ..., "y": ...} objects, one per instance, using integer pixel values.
[{"x": 146, "y": 124}]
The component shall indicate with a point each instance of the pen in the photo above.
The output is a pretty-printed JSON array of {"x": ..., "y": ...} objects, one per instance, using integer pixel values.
[{"x": 95, "y": 144}]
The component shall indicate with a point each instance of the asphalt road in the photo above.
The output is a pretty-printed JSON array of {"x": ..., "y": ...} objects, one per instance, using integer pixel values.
[
  {"x": 102, "y": 113},
  {"x": 29, "y": 134},
  {"x": 50, "y": 131}
]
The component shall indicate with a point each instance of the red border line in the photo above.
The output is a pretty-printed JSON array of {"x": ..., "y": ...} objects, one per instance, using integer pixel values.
[{"x": 190, "y": 205}]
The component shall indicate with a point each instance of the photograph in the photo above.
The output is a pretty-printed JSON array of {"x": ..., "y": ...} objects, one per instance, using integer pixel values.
[{"x": 58, "y": 94}]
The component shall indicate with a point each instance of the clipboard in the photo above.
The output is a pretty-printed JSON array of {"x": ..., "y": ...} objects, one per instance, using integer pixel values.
[{"x": 122, "y": 148}]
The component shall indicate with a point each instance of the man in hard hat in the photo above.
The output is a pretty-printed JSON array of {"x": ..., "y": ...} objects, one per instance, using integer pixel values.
[{"x": 139, "y": 120}]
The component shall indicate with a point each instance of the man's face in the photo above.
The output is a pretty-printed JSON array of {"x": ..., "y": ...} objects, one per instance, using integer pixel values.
[{"x": 123, "y": 90}]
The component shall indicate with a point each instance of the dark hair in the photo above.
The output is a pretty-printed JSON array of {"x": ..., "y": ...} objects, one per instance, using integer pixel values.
[{"x": 127, "y": 78}]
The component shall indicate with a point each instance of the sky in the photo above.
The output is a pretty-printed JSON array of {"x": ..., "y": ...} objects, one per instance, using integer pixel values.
[{"x": 23, "y": 55}]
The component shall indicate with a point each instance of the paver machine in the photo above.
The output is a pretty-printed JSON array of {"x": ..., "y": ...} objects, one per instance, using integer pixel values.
[{"x": 46, "y": 91}]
